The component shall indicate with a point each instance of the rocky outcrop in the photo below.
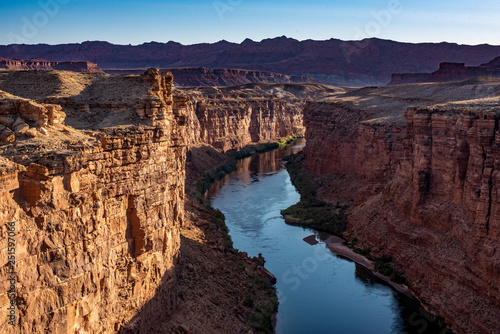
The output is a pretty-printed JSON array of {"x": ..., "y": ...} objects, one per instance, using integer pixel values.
[
  {"x": 450, "y": 72},
  {"x": 39, "y": 114},
  {"x": 202, "y": 76},
  {"x": 44, "y": 65},
  {"x": 351, "y": 63},
  {"x": 97, "y": 212},
  {"x": 425, "y": 191}
]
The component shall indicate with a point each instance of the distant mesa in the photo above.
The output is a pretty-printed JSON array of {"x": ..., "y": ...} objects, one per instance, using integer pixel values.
[
  {"x": 45, "y": 65},
  {"x": 202, "y": 76},
  {"x": 450, "y": 72}
]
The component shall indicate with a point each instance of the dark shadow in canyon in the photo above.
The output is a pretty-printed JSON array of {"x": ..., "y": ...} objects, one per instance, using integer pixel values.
[{"x": 157, "y": 310}]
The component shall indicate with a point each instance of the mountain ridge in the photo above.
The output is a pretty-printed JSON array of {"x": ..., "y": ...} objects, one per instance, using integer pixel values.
[{"x": 357, "y": 63}]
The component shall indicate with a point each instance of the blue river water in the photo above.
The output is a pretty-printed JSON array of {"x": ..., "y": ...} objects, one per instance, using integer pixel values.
[{"x": 318, "y": 291}]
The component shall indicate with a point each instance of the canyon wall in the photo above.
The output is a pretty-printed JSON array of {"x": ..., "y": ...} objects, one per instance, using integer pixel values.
[
  {"x": 202, "y": 76},
  {"x": 45, "y": 65},
  {"x": 229, "y": 125},
  {"x": 97, "y": 211},
  {"x": 233, "y": 117},
  {"x": 423, "y": 183}
]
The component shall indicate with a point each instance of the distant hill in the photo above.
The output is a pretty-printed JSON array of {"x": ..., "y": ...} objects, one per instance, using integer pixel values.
[{"x": 367, "y": 62}]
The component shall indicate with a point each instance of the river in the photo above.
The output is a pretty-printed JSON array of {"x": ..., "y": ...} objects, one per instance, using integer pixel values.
[{"x": 318, "y": 291}]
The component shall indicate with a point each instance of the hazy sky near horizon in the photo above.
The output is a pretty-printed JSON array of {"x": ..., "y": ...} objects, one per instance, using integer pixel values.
[{"x": 190, "y": 22}]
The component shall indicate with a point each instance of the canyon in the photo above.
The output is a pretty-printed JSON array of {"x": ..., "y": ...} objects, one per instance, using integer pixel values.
[
  {"x": 109, "y": 232},
  {"x": 100, "y": 173},
  {"x": 370, "y": 61},
  {"x": 229, "y": 118},
  {"x": 417, "y": 164}
]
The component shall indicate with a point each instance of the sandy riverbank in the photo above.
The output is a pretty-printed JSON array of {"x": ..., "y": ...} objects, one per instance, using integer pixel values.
[{"x": 338, "y": 246}]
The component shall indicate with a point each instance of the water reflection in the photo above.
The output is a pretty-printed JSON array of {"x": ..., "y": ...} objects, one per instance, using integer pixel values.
[
  {"x": 318, "y": 291},
  {"x": 252, "y": 169}
]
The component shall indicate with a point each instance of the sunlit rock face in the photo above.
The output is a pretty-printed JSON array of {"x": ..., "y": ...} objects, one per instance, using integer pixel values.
[{"x": 98, "y": 209}]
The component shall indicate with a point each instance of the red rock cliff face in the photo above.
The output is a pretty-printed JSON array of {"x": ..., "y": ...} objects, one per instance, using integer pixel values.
[
  {"x": 97, "y": 215},
  {"x": 228, "y": 125},
  {"x": 233, "y": 117},
  {"x": 427, "y": 193}
]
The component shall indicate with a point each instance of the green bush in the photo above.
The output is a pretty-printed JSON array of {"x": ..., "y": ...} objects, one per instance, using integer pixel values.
[
  {"x": 385, "y": 266},
  {"x": 310, "y": 211},
  {"x": 248, "y": 302}
]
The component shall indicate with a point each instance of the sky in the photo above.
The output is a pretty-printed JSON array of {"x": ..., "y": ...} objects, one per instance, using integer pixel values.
[{"x": 191, "y": 22}]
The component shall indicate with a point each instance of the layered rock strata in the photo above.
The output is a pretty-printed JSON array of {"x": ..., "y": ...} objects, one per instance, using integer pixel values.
[
  {"x": 92, "y": 170},
  {"x": 233, "y": 117},
  {"x": 425, "y": 188},
  {"x": 97, "y": 212},
  {"x": 45, "y": 65},
  {"x": 202, "y": 76}
]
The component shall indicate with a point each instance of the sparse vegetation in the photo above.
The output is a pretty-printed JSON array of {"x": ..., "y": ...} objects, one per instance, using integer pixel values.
[
  {"x": 285, "y": 141},
  {"x": 311, "y": 211},
  {"x": 204, "y": 184},
  {"x": 220, "y": 222},
  {"x": 261, "y": 318},
  {"x": 248, "y": 302},
  {"x": 385, "y": 266},
  {"x": 362, "y": 251}
]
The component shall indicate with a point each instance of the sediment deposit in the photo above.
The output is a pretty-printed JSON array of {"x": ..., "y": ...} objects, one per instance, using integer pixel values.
[{"x": 419, "y": 165}]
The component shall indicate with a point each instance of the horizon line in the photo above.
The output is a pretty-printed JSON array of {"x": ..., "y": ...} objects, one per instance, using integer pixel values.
[{"x": 254, "y": 41}]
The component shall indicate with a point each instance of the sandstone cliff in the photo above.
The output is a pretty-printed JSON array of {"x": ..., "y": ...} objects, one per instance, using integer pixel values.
[
  {"x": 41, "y": 64},
  {"x": 422, "y": 178},
  {"x": 98, "y": 211},
  {"x": 230, "y": 118},
  {"x": 202, "y": 76}
]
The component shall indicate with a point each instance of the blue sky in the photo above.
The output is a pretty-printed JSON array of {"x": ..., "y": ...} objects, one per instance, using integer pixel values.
[{"x": 189, "y": 22}]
